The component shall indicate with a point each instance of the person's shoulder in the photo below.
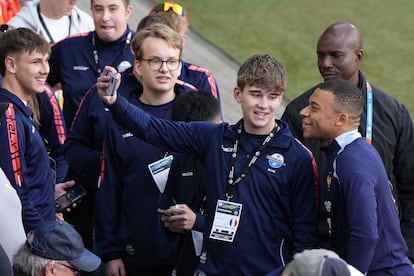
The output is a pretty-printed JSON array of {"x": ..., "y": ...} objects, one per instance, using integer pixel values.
[
  {"x": 76, "y": 41},
  {"x": 83, "y": 18},
  {"x": 194, "y": 69},
  {"x": 25, "y": 18}
]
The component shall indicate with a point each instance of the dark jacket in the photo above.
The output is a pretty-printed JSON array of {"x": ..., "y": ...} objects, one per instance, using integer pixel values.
[
  {"x": 365, "y": 225},
  {"x": 278, "y": 217},
  {"x": 393, "y": 138},
  {"x": 25, "y": 161}
]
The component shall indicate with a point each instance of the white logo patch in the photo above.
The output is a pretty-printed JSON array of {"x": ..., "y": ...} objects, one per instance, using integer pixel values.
[
  {"x": 80, "y": 68},
  {"x": 126, "y": 135}
]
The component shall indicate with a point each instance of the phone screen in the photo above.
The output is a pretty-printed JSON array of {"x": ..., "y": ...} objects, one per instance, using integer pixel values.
[{"x": 72, "y": 195}]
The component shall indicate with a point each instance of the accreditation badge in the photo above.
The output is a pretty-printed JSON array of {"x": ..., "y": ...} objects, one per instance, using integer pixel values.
[
  {"x": 160, "y": 170},
  {"x": 226, "y": 220}
]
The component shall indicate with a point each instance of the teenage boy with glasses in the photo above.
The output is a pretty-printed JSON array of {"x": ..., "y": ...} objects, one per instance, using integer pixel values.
[{"x": 130, "y": 236}]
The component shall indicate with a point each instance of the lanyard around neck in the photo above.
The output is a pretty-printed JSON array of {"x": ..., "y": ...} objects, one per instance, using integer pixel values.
[
  {"x": 45, "y": 27},
  {"x": 370, "y": 103},
  {"x": 116, "y": 60},
  {"x": 231, "y": 182}
]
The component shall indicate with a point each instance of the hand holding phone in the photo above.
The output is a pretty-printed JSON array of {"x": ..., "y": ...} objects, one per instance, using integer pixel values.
[
  {"x": 73, "y": 194},
  {"x": 112, "y": 81}
]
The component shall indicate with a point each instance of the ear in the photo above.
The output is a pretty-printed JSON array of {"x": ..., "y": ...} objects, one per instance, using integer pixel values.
[
  {"x": 358, "y": 55},
  {"x": 10, "y": 64},
  {"x": 237, "y": 94},
  {"x": 138, "y": 68},
  {"x": 129, "y": 11},
  {"x": 50, "y": 269},
  {"x": 342, "y": 119}
]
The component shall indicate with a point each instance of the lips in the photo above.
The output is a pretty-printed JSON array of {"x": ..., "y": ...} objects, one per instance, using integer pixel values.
[{"x": 329, "y": 75}]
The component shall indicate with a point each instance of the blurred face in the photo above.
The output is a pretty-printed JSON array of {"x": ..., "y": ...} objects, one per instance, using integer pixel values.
[
  {"x": 61, "y": 268},
  {"x": 64, "y": 7},
  {"x": 259, "y": 108},
  {"x": 319, "y": 118},
  {"x": 338, "y": 58},
  {"x": 110, "y": 18},
  {"x": 156, "y": 50},
  {"x": 30, "y": 71}
]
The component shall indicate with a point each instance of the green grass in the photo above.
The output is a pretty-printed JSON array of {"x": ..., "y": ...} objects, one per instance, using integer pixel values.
[{"x": 289, "y": 29}]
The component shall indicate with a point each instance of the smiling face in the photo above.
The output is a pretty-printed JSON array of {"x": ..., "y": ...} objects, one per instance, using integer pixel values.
[
  {"x": 29, "y": 72},
  {"x": 259, "y": 108},
  {"x": 110, "y": 18},
  {"x": 319, "y": 118},
  {"x": 159, "y": 81}
]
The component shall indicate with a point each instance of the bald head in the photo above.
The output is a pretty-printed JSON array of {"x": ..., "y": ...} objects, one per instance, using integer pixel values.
[
  {"x": 339, "y": 51},
  {"x": 344, "y": 31}
]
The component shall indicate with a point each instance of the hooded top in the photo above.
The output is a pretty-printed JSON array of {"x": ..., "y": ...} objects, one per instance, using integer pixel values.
[{"x": 28, "y": 17}]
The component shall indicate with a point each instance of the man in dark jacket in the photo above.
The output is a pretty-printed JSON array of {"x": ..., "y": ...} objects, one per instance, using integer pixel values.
[{"x": 385, "y": 122}]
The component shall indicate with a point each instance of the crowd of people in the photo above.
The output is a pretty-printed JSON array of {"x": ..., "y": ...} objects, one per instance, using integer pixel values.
[{"x": 171, "y": 189}]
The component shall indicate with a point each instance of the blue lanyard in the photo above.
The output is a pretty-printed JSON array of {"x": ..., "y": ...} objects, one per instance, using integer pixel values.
[{"x": 368, "y": 134}]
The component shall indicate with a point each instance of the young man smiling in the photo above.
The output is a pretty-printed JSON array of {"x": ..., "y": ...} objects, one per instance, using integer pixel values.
[
  {"x": 24, "y": 159},
  {"x": 130, "y": 236},
  {"x": 260, "y": 182},
  {"x": 364, "y": 224}
]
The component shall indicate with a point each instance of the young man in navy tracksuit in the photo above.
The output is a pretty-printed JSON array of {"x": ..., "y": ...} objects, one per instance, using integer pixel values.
[
  {"x": 260, "y": 183},
  {"x": 130, "y": 236},
  {"x": 357, "y": 200},
  {"x": 24, "y": 158}
]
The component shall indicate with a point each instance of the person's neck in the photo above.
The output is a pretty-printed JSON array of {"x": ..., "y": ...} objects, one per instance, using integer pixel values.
[
  {"x": 47, "y": 10},
  {"x": 259, "y": 131},
  {"x": 15, "y": 88},
  {"x": 156, "y": 98}
]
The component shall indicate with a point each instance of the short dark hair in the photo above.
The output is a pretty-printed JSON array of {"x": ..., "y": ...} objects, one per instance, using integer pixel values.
[
  {"x": 18, "y": 41},
  {"x": 348, "y": 98},
  {"x": 195, "y": 106}
]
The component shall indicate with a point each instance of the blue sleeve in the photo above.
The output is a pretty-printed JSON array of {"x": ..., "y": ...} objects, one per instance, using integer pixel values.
[
  {"x": 175, "y": 136},
  {"x": 358, "y": 180},
  {"x": 82, "y": 152},
  {"x": 12, "y": 161},
  {"x": 303, "y": 200},
  {"x": 53, "y": 129},
  {"x": 108, "y": 203}
]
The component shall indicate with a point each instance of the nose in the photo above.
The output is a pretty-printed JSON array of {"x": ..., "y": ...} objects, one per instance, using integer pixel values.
[
  {"x": 325, "y": 61},
  {"x": 45, "y": 69},
  {"x": 164, "y": 67},
  {"x": 304, "y": 112}
]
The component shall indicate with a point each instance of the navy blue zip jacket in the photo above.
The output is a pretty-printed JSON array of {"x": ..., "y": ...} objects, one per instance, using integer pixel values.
[
  {"x": 365, "y": 225},
  {"x": 278, "y": 217},
  {"x": 25, "y": 161},
  {"x": 53, "y": 129},
  {"x": 127, "y": 222},
  {"x": 73, "y": 64}
]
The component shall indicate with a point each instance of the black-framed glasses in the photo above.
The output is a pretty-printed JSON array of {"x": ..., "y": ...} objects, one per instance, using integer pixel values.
[
  {"x": 166, "y": 6},
  {"x": 74, "y": 269},
  {"x": 156, "y": 63}
]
